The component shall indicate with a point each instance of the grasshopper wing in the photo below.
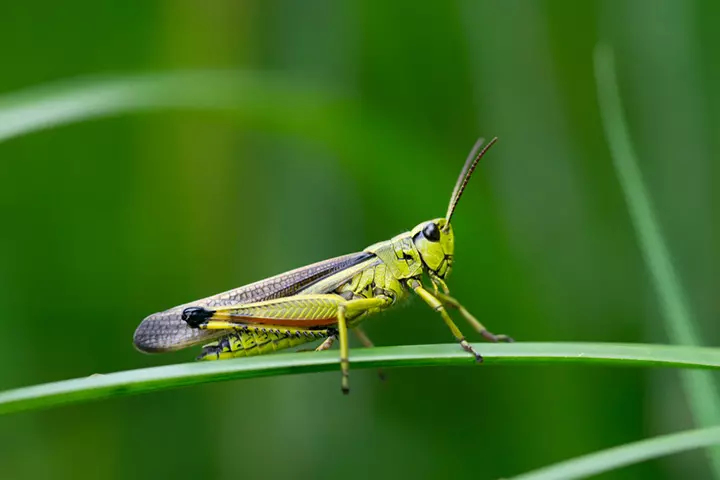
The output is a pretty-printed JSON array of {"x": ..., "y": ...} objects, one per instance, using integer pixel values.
[{"x": 166, "y": 331}]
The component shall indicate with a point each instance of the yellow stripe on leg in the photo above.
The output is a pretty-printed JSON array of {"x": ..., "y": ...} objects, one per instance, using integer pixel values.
[{"x": 219, "y": 325}]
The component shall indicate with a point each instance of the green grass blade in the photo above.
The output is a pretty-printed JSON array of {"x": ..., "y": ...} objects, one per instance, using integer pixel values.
[
  {"x": 699, "y": 386},
  {"x": 624, "y": 455},
  {"x": 166, "y": 377}
]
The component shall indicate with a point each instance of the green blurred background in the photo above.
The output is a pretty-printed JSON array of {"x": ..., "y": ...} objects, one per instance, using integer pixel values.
[{"x": 358, "y": 122}]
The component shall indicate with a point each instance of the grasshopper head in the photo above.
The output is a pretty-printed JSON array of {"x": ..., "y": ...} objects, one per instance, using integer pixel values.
[
  {"x": 435, "y": 239},
  {"x": 436, "y": 244}
]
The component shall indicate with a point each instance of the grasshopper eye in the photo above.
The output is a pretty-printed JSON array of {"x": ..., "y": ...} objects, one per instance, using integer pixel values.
[{"x": 431, "y": 232}]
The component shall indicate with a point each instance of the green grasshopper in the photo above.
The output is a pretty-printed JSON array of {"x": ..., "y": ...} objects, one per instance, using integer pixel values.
[{"x": 323, "y": 300}]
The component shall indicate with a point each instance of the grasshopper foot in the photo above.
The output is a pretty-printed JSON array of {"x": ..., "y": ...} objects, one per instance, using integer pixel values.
[
  {"x": 469, "y": 348},
  {"x": 496, "y": 338},
  {"x": 196, "y": 316},
  {"x": 345, "y": 385}
]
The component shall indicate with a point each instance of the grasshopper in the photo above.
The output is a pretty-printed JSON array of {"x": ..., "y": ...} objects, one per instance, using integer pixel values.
[{"x": 325, "y": 299}]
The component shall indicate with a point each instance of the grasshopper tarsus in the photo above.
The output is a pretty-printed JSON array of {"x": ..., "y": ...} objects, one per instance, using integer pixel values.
[
  {"x": 496, "y": 338},
  {"x": 469, "y": 348}
]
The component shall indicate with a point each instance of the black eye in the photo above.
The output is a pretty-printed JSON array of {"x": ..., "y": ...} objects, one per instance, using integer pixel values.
[{"x": 431, "y": 232}]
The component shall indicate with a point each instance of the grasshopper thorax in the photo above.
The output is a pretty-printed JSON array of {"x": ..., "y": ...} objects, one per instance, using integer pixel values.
[{"x": 435, "y": 242}]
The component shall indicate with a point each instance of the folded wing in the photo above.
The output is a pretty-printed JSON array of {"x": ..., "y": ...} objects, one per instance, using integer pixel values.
[{"x": 166, "y": 331}]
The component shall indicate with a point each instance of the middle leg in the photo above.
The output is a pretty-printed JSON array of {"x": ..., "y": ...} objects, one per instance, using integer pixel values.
[
  {"x": 488, "y": 335},
  {"x": 437, "y": 305}
]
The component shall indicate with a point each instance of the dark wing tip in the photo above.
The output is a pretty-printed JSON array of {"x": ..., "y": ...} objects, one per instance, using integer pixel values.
[
  {"x": 167, "y": 331},
  {"x": 146, "y": 338}
]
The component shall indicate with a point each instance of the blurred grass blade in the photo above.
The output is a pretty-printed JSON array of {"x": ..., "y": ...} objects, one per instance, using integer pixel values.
[
  {"x": 161, "y": 378},
  {"x": 624, "y": 455},
  {"x": 699, "y": 386},
  {"x": 83, "y": 99},
  {"x": 262, "y": 101}
]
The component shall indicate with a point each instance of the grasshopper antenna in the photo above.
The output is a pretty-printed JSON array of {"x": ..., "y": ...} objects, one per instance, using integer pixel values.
[{"x": 465, "y": 174}]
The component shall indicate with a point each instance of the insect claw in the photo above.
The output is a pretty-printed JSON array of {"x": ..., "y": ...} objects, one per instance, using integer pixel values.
[
  {"x": 196, "y": 316},
  {"x": 469, "y": 348}
]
